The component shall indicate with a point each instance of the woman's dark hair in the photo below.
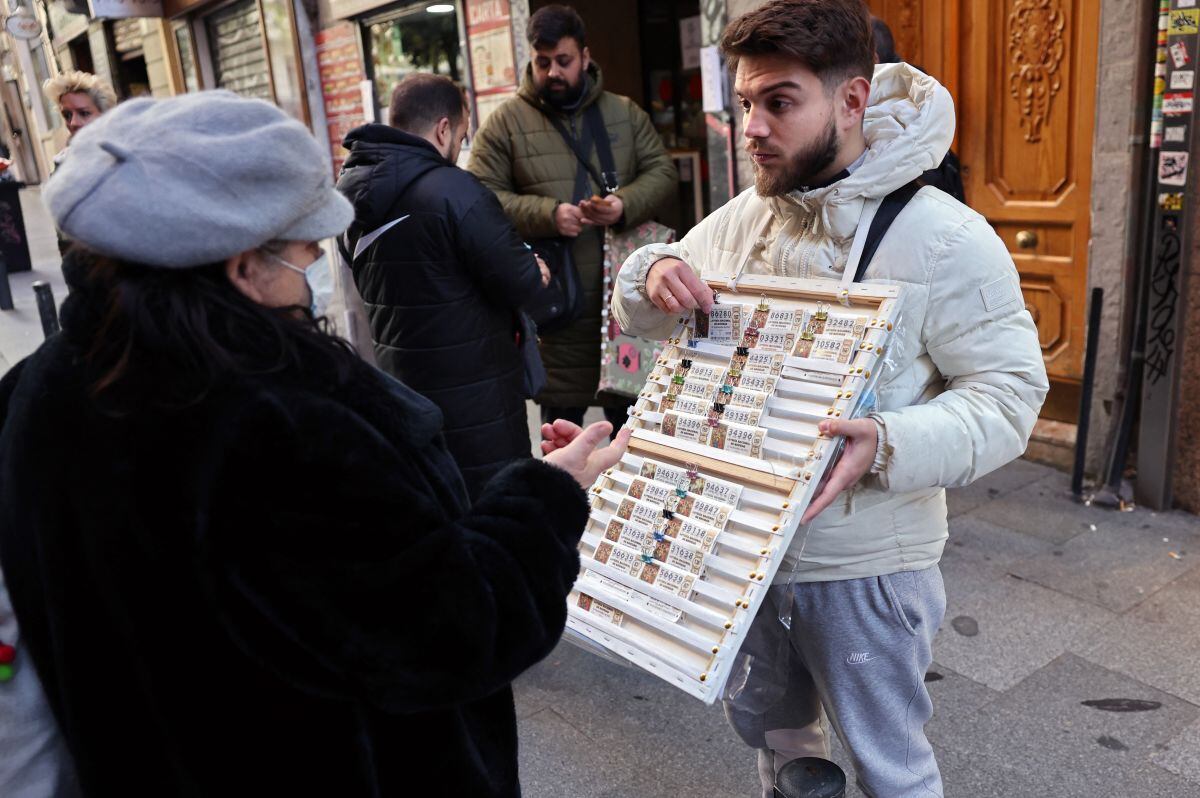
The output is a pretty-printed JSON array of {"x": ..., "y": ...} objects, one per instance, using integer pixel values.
[
  {"x": 170, "y": 336},
  {"x": 833, "y": 38},
  {"x": 551, "y": 24}
]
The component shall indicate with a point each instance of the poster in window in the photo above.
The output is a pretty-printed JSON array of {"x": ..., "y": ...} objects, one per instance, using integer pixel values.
[{"x": 492, "y": 64}]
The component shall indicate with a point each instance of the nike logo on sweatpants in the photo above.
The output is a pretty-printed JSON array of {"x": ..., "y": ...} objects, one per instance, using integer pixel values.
[{"x": 859, "y": 658}]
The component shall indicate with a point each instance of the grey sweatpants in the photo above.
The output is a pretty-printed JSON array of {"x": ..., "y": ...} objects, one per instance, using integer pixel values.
[{"x": 860, "y": 649}]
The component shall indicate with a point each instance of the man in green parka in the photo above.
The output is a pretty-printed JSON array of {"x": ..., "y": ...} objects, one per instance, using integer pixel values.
[{"x": 547, "y": 192}]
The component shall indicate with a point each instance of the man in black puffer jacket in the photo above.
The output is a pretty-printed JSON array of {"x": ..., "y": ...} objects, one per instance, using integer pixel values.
[{"x": 442, "y": 272}]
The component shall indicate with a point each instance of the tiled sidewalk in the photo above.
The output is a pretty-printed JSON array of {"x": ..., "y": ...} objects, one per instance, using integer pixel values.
[{"x": 1050, "y": 604}]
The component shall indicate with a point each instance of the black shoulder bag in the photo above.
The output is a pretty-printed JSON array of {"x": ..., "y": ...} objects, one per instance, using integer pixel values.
[{"x": 560, "y": 302}]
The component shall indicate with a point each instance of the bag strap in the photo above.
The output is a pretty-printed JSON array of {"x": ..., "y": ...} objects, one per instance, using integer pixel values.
[
  {"x": 887, "y": 212},
  {"x": 595, "y": 122},
  {"x": 602, "y": 145}
]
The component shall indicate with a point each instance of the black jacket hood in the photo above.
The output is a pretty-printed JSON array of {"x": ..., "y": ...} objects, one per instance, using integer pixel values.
[{"x": 383, "y": 163}]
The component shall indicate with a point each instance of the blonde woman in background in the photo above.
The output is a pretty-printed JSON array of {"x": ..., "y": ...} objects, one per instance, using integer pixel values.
[{"x": 81, "y": 97}]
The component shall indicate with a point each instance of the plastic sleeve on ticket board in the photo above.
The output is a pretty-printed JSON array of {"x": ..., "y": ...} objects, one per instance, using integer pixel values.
[
  {"x": 758, "y": 679},
  {"x": 580, "y": 641},
  {"x": 893, "y": 352}
]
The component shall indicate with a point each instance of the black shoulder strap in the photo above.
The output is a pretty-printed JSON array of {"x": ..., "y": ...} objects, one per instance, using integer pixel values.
[
  {"x": 595, "y": 122},
  {"x": 889, "y": 209}
]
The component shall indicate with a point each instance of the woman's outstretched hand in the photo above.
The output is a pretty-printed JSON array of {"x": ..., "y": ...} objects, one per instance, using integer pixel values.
[{"x": 573, "y": 449}]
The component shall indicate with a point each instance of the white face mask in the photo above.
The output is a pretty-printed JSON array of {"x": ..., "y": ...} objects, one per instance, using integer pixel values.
[{"x": 319, "y": 277}]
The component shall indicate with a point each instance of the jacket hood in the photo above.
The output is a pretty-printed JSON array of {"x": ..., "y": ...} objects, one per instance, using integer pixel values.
[
  {"x": 908, "y": 124},
  {"x": 383, "y": 163},
  {"x": 529, "y": 92}
]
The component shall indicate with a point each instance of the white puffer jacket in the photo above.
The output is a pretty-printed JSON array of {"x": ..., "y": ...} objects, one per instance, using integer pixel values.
[{"x": 969, "y": 380}]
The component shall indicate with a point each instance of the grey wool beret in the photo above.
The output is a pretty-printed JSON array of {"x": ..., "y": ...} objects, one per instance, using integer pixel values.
[{"x": 192, "y": 180}]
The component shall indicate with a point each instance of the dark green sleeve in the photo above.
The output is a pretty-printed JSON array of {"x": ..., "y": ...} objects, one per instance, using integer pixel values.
[{"x": 655, "y": 177}]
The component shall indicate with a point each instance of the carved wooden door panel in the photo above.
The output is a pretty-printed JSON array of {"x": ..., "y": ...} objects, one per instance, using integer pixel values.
[
  {"x": 1023, "y": 75},
  {"x": 1028, "y": 103},
  {"x": 926, "y": 34}
]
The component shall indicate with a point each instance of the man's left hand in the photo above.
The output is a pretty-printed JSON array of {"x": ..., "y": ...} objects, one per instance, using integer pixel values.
[
  {"x": 606, "y": 212},
  {"x": 862, "y": 439}
]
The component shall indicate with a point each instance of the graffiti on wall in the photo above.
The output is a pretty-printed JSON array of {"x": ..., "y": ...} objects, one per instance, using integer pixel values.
[{"x": 1164, "y": 302}]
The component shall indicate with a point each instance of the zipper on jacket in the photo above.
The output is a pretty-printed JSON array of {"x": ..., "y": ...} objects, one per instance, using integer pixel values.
[{"x": 807, "y": 236}]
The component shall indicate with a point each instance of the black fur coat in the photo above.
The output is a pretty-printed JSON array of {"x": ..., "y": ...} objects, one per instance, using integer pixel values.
[{"x": 280, "y": 591}]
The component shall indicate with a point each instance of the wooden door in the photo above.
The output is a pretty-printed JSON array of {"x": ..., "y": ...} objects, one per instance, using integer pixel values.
[{"x": 1023, "y": 73}]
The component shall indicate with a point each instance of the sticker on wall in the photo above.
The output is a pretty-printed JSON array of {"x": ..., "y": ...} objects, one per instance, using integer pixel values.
[
  {"x": 1184, "y": 23},
  {"x": 1172, "y": 168},
  {"x": 1183, "y": 79},
  {"x": 1171, "y": 202},
  {"x": 1175, "y": 134},
  {"x": 1179, "y": 55},
  {"x": 1177, "y": 104}
]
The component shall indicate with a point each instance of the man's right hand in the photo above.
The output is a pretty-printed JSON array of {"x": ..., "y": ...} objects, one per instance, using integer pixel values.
[
  {"x": 673, "y": 287},
  {"x": 569, "y": 220}
]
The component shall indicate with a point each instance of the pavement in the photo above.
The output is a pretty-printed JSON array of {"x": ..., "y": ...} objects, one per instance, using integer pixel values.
[
  {"x": 1068, "y": 663},
  {"x": 20, "y": 328}
]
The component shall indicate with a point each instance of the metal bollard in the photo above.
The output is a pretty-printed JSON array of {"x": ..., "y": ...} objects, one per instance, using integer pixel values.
[
  {"x": 46, "y": 307},
  {"x": 810, "y": 777},
  {"x": 6, "y": 301}
]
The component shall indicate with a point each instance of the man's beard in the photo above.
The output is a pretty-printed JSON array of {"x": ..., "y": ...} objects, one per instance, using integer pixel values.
[
  {"x": 560, "y": 93},
  {"x": 798, "y": 171}
]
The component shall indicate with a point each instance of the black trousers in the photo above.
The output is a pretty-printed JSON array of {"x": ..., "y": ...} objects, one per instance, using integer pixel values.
[{"x": 615, "y": 415}]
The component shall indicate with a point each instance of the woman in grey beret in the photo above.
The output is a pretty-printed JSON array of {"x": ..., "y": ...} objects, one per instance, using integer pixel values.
[{"x": 242, "y": 560}]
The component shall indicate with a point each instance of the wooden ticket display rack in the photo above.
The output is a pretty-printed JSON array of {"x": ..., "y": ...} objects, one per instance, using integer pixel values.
[{"x": 688, "y": 530}]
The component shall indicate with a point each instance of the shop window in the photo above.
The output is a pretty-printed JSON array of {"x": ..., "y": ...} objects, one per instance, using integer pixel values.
[
  {"x": 255, "y": 53},
  {"x": 286, "y": 73},
  {"x": 414, "y": 38},
  {"x": 41, "y": 74},
  {"x": 187, "y": 56},
  {"x": 239, "y": 50}
]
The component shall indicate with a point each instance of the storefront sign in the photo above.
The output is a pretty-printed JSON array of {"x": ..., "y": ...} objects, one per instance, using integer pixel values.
[
  {"x": 23, "y": 26},
  {"x": 486, "y": 12},
  {"x": 125, "y": 9},
  {"x": 342, "y": 78},
  {"x": 490, "y": 47}
]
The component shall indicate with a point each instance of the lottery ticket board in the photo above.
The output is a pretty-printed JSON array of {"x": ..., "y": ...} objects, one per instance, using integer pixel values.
[{"x": 688, "y": 530}]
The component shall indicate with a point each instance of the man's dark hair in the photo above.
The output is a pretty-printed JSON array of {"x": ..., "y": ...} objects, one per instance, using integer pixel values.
[
  {"x": 885, "y": 43},
  {"x": 421, "y": 99},
  {"x": 830, "y": 37},
  {"x": 551, "y": 24}
]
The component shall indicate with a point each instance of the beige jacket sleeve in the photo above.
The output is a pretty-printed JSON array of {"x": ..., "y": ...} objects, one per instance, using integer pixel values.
[{"x": 984, "y": 343}]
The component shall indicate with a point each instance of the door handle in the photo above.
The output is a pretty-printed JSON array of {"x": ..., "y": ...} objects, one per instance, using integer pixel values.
[{"x": 1027, "y": 239}]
